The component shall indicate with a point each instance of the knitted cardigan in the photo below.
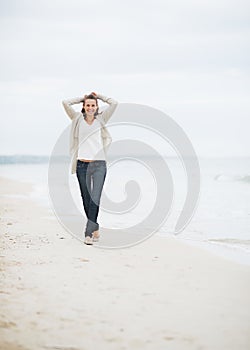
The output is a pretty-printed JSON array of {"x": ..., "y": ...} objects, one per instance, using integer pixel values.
[{"x": 75, "y": 117}]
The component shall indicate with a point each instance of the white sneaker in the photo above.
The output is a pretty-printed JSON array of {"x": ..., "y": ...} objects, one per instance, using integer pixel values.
[{"x": 88, "y": 240}]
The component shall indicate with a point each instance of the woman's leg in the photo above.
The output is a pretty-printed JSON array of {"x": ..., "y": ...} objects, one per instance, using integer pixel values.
[
  {"x": 84, "y": 180},
  {"x": 98, "y": 170}
]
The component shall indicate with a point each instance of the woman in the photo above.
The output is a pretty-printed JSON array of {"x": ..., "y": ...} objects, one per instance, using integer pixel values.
[{"x": 89, "y": 140}]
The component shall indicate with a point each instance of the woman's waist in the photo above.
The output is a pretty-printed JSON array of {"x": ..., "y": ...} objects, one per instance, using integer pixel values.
[{"x": 91, "y": 160}]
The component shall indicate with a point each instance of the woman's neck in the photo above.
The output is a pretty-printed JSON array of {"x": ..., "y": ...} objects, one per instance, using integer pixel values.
[{"x": 90, "y": 118}]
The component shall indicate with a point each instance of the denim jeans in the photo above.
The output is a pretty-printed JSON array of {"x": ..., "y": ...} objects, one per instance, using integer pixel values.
[{"x": 91, "y": 177}]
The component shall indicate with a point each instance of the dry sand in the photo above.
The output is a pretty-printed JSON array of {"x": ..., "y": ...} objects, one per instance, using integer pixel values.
[{"x": 57, "y": 293}]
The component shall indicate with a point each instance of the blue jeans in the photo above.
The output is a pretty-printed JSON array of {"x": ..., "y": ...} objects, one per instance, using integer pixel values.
[{"x": 91, "y": 177}]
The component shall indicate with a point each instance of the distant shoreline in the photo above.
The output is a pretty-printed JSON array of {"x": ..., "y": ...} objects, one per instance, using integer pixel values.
[{"x": 41, "y": 159}]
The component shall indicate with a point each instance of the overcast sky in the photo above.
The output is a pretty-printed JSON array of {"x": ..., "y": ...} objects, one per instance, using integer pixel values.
[{"x": 189, "y": 59}]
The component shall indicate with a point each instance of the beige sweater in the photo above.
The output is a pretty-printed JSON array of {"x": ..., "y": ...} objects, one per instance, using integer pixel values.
[{"x": 75, "y": 116}]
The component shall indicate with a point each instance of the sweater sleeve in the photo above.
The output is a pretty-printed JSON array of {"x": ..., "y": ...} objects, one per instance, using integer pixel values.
[
  {"x": 107, "y": 113},
  {"x": 67, "y": 104}
]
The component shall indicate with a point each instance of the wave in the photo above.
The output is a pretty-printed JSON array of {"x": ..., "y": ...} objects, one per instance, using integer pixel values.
[
  {"x": 240, "y": 178},
  {"x": 245, "y": 242}
]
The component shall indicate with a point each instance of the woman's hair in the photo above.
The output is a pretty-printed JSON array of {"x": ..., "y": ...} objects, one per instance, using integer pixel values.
[{"x": 89, "y": 97}]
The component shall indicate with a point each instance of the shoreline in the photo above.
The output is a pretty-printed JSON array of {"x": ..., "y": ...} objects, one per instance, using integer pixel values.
[
  {"x": 58, "y": 293},
  {"x": 217, "y": 247},
  {"x": 223, "y": 250}
]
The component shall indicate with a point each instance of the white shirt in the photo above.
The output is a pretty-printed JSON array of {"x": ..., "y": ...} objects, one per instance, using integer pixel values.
[{"x": 90, "y": 141}]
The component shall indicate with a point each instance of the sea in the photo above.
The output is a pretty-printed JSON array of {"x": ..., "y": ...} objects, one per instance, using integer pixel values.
[{"x": 220, "y": 222}]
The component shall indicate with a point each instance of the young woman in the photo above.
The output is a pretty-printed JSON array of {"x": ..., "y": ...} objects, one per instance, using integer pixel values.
[{"x": 89, "y": 141}]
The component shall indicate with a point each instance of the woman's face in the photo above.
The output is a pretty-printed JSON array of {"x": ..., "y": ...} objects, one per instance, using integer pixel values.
[{"x": 90, "y": 106}]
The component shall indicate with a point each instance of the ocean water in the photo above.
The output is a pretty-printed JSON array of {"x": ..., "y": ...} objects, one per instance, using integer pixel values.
[{"x": 221, "y": 222}]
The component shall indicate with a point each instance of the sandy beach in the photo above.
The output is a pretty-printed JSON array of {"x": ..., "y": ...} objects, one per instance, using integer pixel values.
[{"x": 57, "y": 293}]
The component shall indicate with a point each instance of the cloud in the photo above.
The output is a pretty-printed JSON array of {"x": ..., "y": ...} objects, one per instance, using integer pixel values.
[{"x": 189, "y": 58}]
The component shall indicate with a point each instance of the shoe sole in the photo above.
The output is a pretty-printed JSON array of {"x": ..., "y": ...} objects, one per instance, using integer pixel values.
[{"x": 88, "y": 242}]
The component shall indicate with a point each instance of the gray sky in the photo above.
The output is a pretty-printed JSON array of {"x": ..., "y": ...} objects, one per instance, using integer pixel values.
[{"x": 189, "y": 59}]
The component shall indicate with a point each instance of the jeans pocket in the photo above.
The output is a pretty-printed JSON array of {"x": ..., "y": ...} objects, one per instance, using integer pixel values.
[
  {"x": 80, "y": 166},
  {"x": 102, "y": 166}
]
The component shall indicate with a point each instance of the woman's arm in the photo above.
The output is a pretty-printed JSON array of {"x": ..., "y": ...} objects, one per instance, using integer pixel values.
[
  {"x": 68, "y": 103},
  {"x": 107, "y": 113}
]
